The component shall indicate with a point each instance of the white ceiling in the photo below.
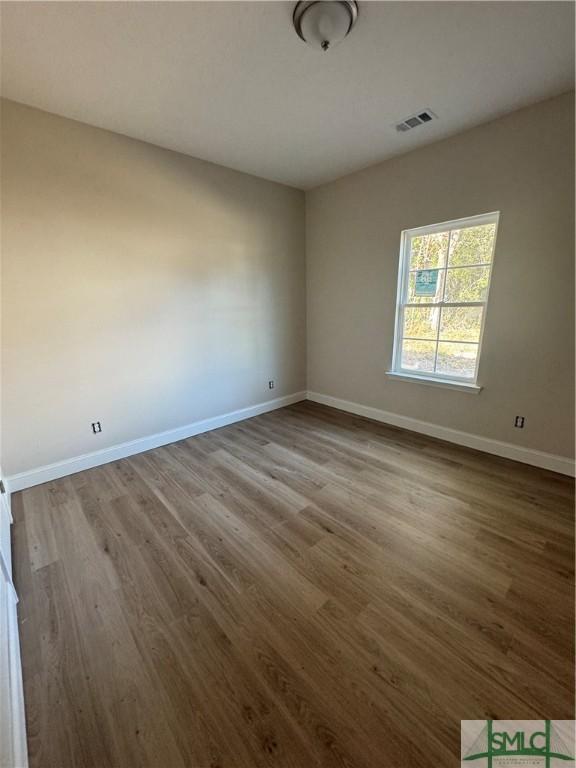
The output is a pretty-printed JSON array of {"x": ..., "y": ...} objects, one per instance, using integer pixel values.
[{"x": 231, "y": 82}]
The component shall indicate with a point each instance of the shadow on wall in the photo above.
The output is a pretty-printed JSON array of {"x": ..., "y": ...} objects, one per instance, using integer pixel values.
[{"x": 142, "y": 288}]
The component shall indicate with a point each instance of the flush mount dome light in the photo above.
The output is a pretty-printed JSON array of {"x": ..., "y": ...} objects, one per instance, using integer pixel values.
[{"x": 324, "y": 23}]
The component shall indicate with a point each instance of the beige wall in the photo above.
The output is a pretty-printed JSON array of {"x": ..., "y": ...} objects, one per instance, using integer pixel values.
[
  {"x": 149, "y": 290},
  {"x": 521, "y": 165},
  {"x": 142, "y": 288}
]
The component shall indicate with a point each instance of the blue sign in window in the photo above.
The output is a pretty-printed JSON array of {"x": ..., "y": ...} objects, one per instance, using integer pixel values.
[{"x": 426, "y": 282}]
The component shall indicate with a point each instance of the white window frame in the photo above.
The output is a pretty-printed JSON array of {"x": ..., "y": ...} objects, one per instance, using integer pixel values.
[{"x": 431, "y": 377}]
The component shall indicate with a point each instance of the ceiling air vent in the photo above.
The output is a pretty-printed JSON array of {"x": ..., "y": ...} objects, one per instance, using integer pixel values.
[{"x": 415, "y": 120}]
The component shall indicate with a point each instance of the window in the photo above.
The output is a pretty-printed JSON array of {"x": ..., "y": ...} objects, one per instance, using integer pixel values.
[{"x": 443, "y": 287}]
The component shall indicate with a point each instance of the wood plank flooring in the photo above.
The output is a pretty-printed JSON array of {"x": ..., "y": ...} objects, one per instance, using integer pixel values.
[{"x": 305, "y": 589}]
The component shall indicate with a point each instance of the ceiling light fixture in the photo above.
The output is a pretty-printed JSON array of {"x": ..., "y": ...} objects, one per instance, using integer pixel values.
[{"x": 324, "y": 23}]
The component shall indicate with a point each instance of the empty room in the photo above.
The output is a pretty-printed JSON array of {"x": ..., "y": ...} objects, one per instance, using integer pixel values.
[{"x": 287, "y": 405}]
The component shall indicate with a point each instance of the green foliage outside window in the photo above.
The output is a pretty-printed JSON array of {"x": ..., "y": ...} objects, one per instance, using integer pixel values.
[{"x": 445, "y": 339}]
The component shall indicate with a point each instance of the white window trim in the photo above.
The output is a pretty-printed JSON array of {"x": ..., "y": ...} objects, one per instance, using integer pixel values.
[
  {"x": 463, "y": 385},
  {"x": 438, "y": 379}
]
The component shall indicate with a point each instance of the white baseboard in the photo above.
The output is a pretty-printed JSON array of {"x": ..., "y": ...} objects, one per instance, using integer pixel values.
[
  {"x": 49, "y": 472},
  {"x": 561, "y": 464}
]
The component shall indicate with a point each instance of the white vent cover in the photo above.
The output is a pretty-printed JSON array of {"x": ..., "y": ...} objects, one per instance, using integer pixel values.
[{"x": 425, "y": 116}]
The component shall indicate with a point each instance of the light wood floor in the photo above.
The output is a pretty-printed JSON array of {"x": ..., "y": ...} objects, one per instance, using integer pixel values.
[{"x": 302, "y": 589}]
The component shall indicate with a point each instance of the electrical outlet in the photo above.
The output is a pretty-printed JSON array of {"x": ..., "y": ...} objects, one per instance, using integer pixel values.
[
  {"x": 96, "y": 427},
  {"x": 271, "y": 384},
  {"x": 519, "y": 422}
]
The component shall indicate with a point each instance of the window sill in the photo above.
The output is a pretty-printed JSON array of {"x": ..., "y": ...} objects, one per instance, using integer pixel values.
[{"x": 461, "y": 386}]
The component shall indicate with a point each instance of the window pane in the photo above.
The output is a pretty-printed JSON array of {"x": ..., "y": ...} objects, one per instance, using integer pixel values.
[
  {"x": 456, "y": 359},
  {"x": 461, "y": 323},
  {"x": 418, "y": 355},
  {"x": 471, "y": 245},
  {"x": 429, "y": 251},
  {"x": 417, "y": 298},
  {"x": 467, "y": 284},
  {"x": 421, "y": 322}
]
